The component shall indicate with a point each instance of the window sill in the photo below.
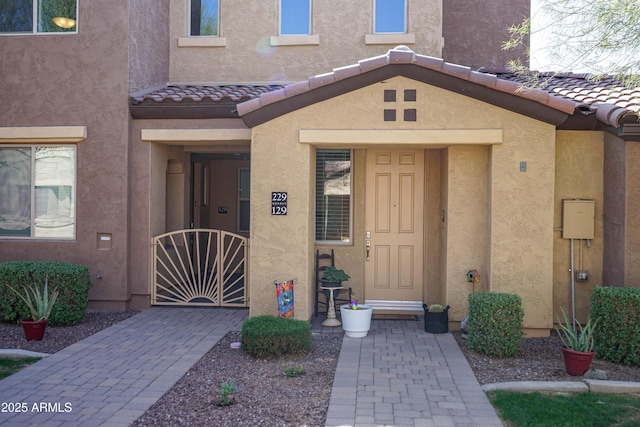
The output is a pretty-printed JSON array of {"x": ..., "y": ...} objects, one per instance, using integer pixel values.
[
  {"x": 309, "y": 40},
  {"x": 202, "y": 41},
  {"x": 43, "y": 134},
  {"x": 390, "y": 39}
]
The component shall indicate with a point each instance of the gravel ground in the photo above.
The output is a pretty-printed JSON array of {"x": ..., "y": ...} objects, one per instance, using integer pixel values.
[
  {"x": 265, "y": 396},
  {"x": 58, "y": 337},
  {"x": 539, "y": 360}
]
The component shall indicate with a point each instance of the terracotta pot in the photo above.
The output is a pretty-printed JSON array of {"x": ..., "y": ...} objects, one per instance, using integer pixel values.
[
  {"x": 34, "y": 331},
  {"x": 576, "y": 362}
]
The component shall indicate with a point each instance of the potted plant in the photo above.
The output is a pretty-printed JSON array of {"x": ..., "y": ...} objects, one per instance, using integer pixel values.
[
  {"x": 356, "y": 319},
  {"x": 40, "y": 305},
  {"x": 577, "y": 349},
  {"x": 333, "y": 277},
  {"x": 436, "y": 319}
]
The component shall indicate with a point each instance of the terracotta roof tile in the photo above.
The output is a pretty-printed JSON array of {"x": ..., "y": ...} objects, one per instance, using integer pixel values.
[
  {"x": 568, "y": 93},
  {"x": 200, "y": 93},
  {"x": 404, "y": 55},
  {"x": 609, "y": 98}
]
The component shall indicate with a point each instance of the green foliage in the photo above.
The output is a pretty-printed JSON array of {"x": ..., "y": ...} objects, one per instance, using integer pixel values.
[
  {"x": 71, "y": 280},
  {"x": 495, "y": 323},
  {"x": 39, "y": 303},
  {"x": 269, "y": 337},
  {"x": 617, "y": 338},
  {"x": 11, "y": 365},
  {"x": 294, "y": 371},
  {"x": 537, "y": 409},
  {"x": 435, "y": 308},
  {"x": 226, "y": 390},
  {"x": 334, "y": 275},
  {"x": 601, "y": 36},
  {"x": 580, "y": 339}
]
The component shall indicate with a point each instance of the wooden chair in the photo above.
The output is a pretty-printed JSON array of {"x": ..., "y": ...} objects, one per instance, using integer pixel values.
[{"x": 323, "y": 261}]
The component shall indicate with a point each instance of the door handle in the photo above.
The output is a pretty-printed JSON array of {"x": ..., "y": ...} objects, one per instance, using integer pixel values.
[{"x": 368, "y": 246}]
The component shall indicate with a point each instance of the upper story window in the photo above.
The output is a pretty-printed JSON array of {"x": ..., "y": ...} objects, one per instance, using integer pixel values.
[
  {"x": 390, "y": 16},
  {"x": 38, "y": 16},
  {"x": 295, "y": 17},
  {"x": 205, "y": 18},
  {"x": 38, "y": 191}
]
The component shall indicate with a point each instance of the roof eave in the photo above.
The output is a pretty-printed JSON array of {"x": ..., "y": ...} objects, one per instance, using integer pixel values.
[
  {"x": 177, "y": 110},
  {"x": 503, "y": 99}
]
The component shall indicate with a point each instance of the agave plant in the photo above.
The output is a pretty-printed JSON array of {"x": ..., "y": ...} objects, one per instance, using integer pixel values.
[
  {"x": 577, "y": 339},
  {"x": 39, "y": 303}
]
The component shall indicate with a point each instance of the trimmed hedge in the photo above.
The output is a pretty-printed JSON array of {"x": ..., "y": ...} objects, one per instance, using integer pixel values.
[
  {"x": 269, "y": 337},
  {"x": 72, "y": 280},
  {"x": 495, "y": 323},
  {"x": 617, "y": 337}
]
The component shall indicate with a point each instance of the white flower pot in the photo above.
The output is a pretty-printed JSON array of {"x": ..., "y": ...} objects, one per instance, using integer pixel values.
[{"x": 356, "y": 323}]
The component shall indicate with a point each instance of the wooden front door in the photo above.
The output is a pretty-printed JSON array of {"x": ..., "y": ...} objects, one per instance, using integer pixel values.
[{"x": 394, "y": 225}]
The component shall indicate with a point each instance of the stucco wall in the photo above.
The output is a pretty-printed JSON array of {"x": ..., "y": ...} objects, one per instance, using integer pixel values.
[
  {"x": 579, "y": 169},
  {"x": 615, "y": 182},
  {"x": 499, "y": 220},
  {"x": 247, "y": 26},
  {"x": 80, "y": 80},
  {"x": 467, "y": 224},
  {"x": 474, "y": 31},
  {"x": 632, "y": 246},
  {"x": 148, "y": 43},
  {"x": 281, "y": 246}
]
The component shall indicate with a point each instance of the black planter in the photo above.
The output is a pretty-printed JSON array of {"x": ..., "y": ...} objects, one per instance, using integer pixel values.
[
  {"x": 436, "y": 322},
  {"x": 327, "y": 284}
]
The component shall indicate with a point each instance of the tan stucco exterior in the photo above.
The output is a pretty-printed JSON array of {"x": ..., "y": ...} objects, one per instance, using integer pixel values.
[
  {"x": 252, "y": 51},
  {"x": 579, "y": 171},
  {"x": 506, "y": 235}
]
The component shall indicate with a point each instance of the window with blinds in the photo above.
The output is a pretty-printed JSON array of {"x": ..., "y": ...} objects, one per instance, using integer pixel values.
[{"x": 333, "y": 195}]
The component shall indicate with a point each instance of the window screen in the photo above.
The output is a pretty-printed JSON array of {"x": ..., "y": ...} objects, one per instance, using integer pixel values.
[
  {"x": 333, "y": 195},
  {"x": 37, "y": 192}
]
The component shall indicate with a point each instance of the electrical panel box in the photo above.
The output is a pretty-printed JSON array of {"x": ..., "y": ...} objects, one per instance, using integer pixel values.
[{"x": 578, "y": 219}]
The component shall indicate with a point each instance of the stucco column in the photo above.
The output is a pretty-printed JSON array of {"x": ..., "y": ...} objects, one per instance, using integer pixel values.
[{"x": 281, "y": 246}]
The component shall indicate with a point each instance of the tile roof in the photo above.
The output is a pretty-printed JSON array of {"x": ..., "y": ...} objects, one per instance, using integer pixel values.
[
  {"x": 609, "y": 99},
  {"x": 572, "y": 94},
  {"x": 199, "y": 93}
]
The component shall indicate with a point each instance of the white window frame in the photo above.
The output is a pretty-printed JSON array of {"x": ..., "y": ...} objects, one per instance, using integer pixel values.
[
  {"x": 404, "y": 30},
  {"x": 349, "y": 240},
  {"x": 32, "y": 190},
  {"x": 35, "y": 21}
]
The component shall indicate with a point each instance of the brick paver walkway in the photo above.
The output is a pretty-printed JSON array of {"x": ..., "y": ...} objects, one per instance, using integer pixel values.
[
  {"x": 114, "y": 376},
  {"x": 399, "y": 375}
]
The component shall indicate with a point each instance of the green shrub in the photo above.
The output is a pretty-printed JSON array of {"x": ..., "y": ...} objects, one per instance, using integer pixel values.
[
  {"x": 495, "y": 324},
  {"x": 73, "y": 282},
  {"x": 268, "y": 337},
  {"x": 617, "y": 337}
]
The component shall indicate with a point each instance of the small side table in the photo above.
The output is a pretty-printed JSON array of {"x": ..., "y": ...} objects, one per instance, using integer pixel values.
[{"x": 331, "y": 310}]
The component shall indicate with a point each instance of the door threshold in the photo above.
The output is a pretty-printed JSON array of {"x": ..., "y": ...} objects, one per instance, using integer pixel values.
[{"x": 407, "y": 307}]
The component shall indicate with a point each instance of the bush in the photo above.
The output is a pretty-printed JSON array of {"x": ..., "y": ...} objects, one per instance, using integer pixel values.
[
  {"x": 72, "y": 281},
  {"x": 269, "y": 337},
  {"x": 495, "y": 324},
  {"x": 617, "y": 337}
]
